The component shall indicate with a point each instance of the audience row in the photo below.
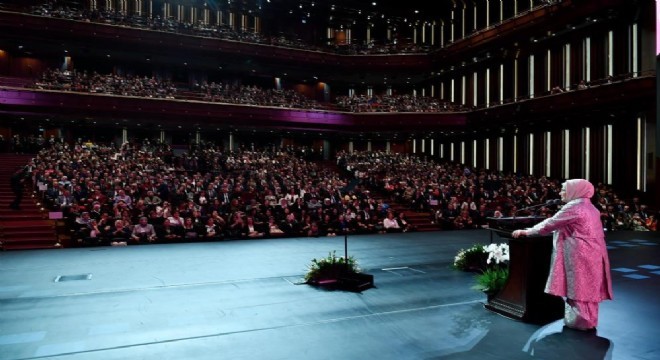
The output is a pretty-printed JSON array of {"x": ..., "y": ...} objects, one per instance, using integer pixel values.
[
  {"x": 224, "y": 92},
  {"x": 244, "y": 193},
  {"x": 457, "y": 197},
  {"x": 224, "y": 32}
]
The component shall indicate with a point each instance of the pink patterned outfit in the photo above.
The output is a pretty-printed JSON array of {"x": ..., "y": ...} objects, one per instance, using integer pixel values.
[{"x": 580, "y": 267}]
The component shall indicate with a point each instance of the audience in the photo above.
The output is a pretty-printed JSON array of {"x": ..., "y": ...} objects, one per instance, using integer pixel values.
[
  {"x": 141, "y": 192},
  {"x": 229, "y": 93}
]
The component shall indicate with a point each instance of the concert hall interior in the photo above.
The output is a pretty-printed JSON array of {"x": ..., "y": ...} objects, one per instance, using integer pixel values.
[{"x": 169, "y": 169}]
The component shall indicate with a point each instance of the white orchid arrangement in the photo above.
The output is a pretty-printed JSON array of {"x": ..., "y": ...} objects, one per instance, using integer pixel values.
[
  {"x": 496, "y": 274},
  {"x": 497, "y": 253}
]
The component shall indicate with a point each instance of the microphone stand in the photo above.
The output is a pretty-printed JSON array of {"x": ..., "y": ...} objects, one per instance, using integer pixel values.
[
  {"x": 533, "y": 207},
  {"x": 537, "y": 206},
  {"x": 346, "y": 249}
]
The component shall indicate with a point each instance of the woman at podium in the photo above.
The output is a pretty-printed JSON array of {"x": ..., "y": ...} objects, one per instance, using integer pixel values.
[{"x": 580, "y": 267}]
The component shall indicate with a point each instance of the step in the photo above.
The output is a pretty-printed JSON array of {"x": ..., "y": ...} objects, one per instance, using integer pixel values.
[
  {"x": 49, "y": 243},
  {"x": 10, "y": 195},
  {"x": 426, "y": 226},
  {"x": 22, "y": 215},
  {"x": 417, "y": 215},
  {"x": 24, "y": 211},
  {"x": 16, "y": 216},
  {"x": 28, "y": 235},
  {"x": 25, "y": 226},
  {"x": 9, "y": 247}
]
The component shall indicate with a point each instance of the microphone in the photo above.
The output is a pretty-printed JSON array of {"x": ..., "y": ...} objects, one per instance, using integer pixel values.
[{"x": 547, "y": 203}]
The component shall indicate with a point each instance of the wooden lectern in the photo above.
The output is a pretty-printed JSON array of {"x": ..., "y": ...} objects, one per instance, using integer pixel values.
[{"x": 522, "y": 297}]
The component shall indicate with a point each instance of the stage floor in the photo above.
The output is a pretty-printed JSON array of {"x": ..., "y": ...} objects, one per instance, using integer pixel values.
[{"x": 243, "y": 300}]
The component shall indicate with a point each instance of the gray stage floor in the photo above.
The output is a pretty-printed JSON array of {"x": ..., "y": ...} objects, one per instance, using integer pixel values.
[{"x": 242, "y": 300}]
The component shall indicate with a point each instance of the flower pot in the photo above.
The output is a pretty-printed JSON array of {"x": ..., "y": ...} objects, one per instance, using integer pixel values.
[
  {"x": 356, "y": 282},
  {"x": 490, "y": 295}
]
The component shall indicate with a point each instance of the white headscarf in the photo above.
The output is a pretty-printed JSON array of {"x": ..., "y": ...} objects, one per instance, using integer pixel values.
[{"x": 578, "y": 188}]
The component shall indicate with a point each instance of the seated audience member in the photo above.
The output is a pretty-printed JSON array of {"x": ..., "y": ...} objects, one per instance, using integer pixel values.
[
  {"x": 120, "y": 234},
  {"x": 154, "y": 219},
  {"x": 463, "y": 221},
  {"x": 652, "y": 222},
  {"x": 252, "y": 229},
  {"x": 220, "y": 223},
  {"x": 390, "y": 224},
  {"x": 81, "y": 227},
  {"x": 404, "y": 224},
  {"x": 138, "y": 211},
  {"x": 97, "y": 235},
  {"x": 121, "y": 196},
  {"x": 98, "y": 197},
  {"x": 152, "y": 200},
  {"x": 344, "y": 226},
  {"x": 168, "y": 233},
  {"x": 643, "y": 212},
  {"x": 106, "y": 222},
  {"x": 237, "y": 227},
  {"x": 190, "y": 231},
  {"x": 637, "y": 223},
  {"x": 176, "y": 219},
  {"x": 306, "y": 225},
  {"x": 273, "y": 229},
  {"x": 361, "y": 226},
  {"x": 327, "y": 226},
  {"x": 198, "y": 220},
  {"x": 165, "y": 211},
  {"x": 314, "y": 230},
  {"x": 290, "y": 225},
  {"x": 96, "y": 212},
  {"x": 621, "y": 222},
  {"x": 65, "y": 201},
  {"x": 211, "y": 230},
  {"x": 448, "y": 217},
  {"x": 143, "y": 232},
  {"x": 376, "y": 223}
]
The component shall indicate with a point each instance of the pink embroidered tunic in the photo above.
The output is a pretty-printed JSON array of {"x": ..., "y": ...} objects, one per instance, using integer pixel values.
[{"x": 580, "y": 267}]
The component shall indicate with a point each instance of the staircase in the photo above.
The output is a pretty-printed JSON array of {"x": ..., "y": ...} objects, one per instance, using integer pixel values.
[
  {"x": 421, "y": 220},
  {"x": 28, "y": 228},
  {"x": 15, "y": 82}
]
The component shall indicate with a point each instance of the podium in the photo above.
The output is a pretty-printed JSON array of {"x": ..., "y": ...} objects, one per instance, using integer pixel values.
[{"x": 523, "y": 297}]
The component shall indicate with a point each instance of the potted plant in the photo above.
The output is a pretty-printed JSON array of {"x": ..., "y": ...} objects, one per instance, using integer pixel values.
[
  {"x": 471, "y": 259},
  {"x": 493, "y": 278},
  {"x": 340, "y": 272}
]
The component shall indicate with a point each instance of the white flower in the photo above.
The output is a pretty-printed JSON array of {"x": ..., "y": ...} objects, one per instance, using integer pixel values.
[{"x": 497, "y": 252}]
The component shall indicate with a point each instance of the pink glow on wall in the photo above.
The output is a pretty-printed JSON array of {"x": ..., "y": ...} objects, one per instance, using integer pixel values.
[{"x": 657, "y": 26}]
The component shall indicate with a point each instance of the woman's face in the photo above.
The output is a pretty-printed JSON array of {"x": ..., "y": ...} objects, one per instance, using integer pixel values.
[{"x": 562, "y": 193}]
